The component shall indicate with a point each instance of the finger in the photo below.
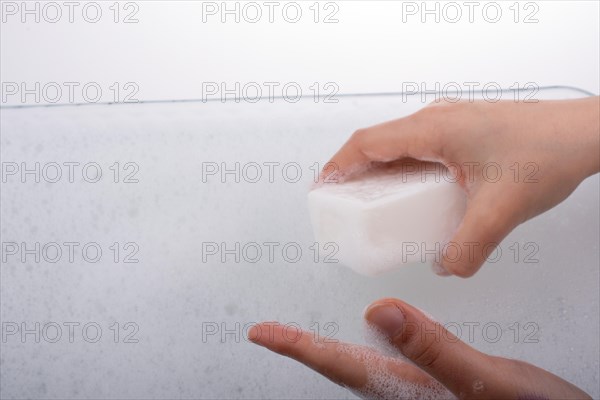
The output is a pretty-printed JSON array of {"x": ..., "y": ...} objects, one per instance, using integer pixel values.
[
  {"x": 466, "y": 372},
  {"x": 430, "y": 346},
  {"x": 415, "y": 136},
  {"x": 346, "y": 364},
  {"x": 489, "y": 218}
]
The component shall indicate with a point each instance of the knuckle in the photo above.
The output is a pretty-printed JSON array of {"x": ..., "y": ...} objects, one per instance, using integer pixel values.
[
  {"x": 444, "y": 112},
  {"x": 431, "y": 111},
  {"x": 359, "y": 135},
  {"x": 442, "y": 102},
  {"x": 425, "y": 353},
  {"x": 433, "y": 117}
]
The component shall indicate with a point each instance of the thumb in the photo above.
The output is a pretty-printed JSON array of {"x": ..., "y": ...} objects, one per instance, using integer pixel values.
[
  {"x": 488, "y": 219},
  {"x": 431, "y": 347}
]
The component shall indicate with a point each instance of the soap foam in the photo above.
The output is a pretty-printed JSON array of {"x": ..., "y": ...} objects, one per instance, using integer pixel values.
[
  {"x": 380, "y": 357},
  {"x": 380, "y": 341},
  {"x": 383, "y": 180},
  {"x": 383, "y": 383}
]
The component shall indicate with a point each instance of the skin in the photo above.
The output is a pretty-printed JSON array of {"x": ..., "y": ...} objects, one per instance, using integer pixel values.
[
  {"x": 554, "y": 143},
  {"x": 438, "y": 360},
  {"x": 559, "y": 141}
]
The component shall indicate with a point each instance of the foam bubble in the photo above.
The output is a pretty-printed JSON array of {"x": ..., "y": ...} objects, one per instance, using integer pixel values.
[
  {"x": 380, "y": 341},
  {"x": 383, "y": 383}
]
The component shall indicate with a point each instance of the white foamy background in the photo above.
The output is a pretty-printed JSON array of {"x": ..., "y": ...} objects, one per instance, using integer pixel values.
[{"x": 170, "y": 293}]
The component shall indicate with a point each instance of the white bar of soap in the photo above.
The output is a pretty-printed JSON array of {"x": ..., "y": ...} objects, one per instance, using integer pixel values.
[{"x": 388, "y": 216}]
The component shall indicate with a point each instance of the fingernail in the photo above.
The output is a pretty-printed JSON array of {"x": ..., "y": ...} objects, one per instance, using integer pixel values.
[{"x": 387, "y": 317}]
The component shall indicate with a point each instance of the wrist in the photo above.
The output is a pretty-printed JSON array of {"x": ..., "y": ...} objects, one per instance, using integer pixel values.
[
  {"x": 592, "y": 136},
  {"x": 582, "y": 125}
]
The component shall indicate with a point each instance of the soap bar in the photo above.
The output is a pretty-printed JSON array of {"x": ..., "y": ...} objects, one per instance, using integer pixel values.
[{"x": 388, "y": 216}]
